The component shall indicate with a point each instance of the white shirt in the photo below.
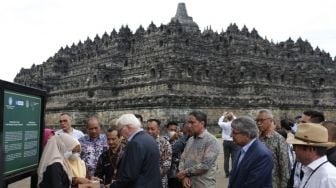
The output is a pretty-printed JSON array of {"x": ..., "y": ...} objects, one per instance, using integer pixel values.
[
  {"x": 76, "y": 134},
  {"x": 297, "y": 173},
  {"x": 226, "y": 128},
  {"x": 324, "y": 176}
]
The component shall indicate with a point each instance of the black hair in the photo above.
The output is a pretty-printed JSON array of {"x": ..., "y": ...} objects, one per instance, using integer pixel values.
[
  {"x": 109, "y": 130},
  {"x": 287, "y": 124},
  {"x": 139, "y": 117},
  {"x": 315, "y": 116},
  {"x": 200, "y": 116},
  {"x": 171, "y": 123},
  {"x": 158, "y": 122},
  {"x": 319, "y": 149},
  {"x": 282, "y": 132}
]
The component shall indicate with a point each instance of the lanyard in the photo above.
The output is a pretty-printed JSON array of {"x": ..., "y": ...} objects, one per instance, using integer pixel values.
[{"x": 313, "y": 173}]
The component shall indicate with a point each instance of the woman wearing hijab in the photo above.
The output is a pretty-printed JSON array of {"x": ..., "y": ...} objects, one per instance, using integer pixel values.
[
  {"x": 77, "y": 165},
  {"x": 54, "y": 170}
]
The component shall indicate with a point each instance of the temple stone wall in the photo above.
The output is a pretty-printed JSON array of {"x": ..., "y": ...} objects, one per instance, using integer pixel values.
[{"x": 168, "y": 70}]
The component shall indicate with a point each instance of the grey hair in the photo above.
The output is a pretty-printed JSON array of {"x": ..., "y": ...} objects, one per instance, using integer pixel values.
[
  {"x": 128, "y": 120},
  {"x": 246, "y": 126},
  {"x": 268, "y": 112}
]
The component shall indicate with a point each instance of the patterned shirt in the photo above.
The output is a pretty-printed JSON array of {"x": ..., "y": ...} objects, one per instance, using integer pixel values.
[
  {"x": 106, "y": 168},
  {"x": 167, "y": 137},
  {"x": 199, "y": 160},
  {"x": 279, "y": 148},
  {"x": 165, "y": 159},
  {"x": 91, "y": 149}
]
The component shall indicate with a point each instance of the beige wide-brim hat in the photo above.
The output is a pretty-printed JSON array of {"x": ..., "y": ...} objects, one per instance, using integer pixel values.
[{"x": 311, "y": 134}]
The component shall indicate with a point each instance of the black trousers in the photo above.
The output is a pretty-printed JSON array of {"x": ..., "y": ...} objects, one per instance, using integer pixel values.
[
  {"x": 174, "y": 183},
  {"x": 230, "y": 151}
]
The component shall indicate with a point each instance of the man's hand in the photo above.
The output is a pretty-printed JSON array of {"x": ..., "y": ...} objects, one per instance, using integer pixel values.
[
  {"x": 80, "y": 180},
  {"x": 181, "y": 175},
  {"x": 93, "y": 178},
  {"x": 186, "y": 182}
]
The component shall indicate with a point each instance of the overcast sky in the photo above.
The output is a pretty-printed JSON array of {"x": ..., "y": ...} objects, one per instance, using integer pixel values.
[{"x": 33, "y": 30}]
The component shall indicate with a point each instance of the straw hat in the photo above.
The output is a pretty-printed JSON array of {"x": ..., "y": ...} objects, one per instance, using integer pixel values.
[{"x": 311, "y": 134}]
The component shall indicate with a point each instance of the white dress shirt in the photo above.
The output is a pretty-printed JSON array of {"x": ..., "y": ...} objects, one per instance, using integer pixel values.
[
  {"x": 76, "y": 134},
  {"x": 226, "y": 128},
  {"x": 324, "y": 176}
]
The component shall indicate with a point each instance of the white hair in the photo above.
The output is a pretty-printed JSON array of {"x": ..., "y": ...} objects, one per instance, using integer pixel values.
[
  {"x": 266, "y": 111},
  {"x": 128, "y": 120}
]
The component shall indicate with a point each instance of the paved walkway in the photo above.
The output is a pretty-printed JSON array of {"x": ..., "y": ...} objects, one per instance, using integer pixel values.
[{"x": 222, "y": 182}]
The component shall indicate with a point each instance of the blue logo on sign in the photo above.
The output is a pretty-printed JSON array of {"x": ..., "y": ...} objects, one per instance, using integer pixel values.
[{"x": 20, "y": 103}]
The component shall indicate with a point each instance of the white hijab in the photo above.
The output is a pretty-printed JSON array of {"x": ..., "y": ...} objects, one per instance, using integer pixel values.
[{"x": 54, "y": 152}]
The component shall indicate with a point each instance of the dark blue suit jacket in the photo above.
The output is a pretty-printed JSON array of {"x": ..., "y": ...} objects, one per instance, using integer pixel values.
[
  {"x": 140, "y": 164},
  {"x": 255, "y": 169}
]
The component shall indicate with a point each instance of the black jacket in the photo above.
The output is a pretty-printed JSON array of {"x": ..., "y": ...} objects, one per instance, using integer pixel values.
[
  {"x": 107, "y": 165},
  {"x": 55, "y": 177},
  {"x": 331, "y": 154},
  {"x": 140, "y": 164}
]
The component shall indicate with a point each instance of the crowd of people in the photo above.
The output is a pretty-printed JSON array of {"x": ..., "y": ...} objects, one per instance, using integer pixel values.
[
  {"x": 296, "y": 153},
  {"x": 136, "y": 153}
]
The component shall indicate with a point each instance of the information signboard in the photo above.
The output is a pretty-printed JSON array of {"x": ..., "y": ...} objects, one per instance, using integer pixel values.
[
  {"x": 22, "y": 124},
  {"x": 21, "y": 131}
]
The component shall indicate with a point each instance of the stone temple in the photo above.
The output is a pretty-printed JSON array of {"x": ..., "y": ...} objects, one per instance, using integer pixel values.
[{"x": 168, "y": 70}]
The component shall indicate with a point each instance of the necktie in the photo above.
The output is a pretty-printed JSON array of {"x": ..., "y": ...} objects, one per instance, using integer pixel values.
[{"x": 241, "y": 156}]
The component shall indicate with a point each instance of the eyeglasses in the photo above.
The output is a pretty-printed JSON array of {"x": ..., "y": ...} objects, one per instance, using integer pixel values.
[{"x": 261, "y": 120}]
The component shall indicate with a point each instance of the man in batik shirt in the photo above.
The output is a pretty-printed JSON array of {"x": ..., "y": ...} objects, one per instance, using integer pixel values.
[
  {"x": 278, "y": 146},
  {"x": 92, "y": 145},
  {"x": 198, "y": 161},
  {"x": 153, "y": 128}
]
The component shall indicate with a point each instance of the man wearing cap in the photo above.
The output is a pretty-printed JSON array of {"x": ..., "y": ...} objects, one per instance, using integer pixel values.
[{"x": 310, "y": 144}]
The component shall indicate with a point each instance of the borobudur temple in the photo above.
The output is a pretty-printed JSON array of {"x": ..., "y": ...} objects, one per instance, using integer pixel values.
[{"x": 168, "y": 70}]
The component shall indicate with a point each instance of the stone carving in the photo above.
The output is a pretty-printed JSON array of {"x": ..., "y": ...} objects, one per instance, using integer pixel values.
[{"x": 176, "y": 66}]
